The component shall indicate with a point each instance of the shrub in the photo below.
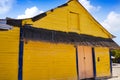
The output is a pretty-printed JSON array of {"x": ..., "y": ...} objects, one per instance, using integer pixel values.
[{"x": 116, "y": 54}]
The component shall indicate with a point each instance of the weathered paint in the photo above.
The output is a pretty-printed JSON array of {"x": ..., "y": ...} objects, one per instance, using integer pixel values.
[
  {"x": 85, "y": 62},
  {"x": 102, "y": 62},
  {"x": 70, "y": 18},
  {"x": 9, "y": 50},
  {"x": 47, "y": 61}
]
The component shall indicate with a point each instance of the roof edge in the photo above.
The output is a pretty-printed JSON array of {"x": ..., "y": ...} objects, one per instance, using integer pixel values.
[
  {"x": 39, "y": 34},
  {"x": 14, "y": 22}
]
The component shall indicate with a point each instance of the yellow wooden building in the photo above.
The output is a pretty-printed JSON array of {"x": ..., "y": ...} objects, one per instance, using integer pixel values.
[{"x": 64, "y": 43}]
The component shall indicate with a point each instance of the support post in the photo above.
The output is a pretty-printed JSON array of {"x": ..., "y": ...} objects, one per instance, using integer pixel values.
[
  {"x": 77, "y": 63},
  {"x": 21, "y": 44},
  {"x": 94, "y": 64},
  {"x": 110, "y": 62}
]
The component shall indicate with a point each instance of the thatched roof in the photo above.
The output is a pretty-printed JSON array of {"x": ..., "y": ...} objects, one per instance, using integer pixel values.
[{"x": 38, "y": 34}]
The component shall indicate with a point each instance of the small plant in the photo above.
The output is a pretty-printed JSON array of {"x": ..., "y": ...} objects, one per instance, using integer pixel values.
[{"x": 116, "y": 54}]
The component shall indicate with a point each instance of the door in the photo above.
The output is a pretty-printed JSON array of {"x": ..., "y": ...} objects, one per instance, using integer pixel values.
[
  {"x": 48, "y": 61},
  {"x": 102, "y": 59},
  {"x": 85, "y": 62}
]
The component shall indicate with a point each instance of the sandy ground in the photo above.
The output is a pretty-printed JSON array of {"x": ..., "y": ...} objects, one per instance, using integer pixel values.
[{"x": 116, "y": 72}]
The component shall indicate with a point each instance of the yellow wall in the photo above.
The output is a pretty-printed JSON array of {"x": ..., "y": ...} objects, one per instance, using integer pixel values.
[
  {"x": 103, "y": 65},
  {"x": 9, "y": 50},
  {"x": 71, "y": 18},
  {"x": 47, "y": 61}
]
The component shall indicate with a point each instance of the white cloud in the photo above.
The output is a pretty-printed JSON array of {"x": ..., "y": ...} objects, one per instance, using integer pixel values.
[
  {"x": 88, "y": 6},
  {"x": 112, "y": 22},
  {"x": 30, "y": 12},
  {"x": 5, "y": 6}
]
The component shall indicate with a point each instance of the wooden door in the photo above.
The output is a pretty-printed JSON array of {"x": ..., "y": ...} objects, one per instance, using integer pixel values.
[
  {"x": 85, "y": 62},
  {"x": 102, "y": 59}
]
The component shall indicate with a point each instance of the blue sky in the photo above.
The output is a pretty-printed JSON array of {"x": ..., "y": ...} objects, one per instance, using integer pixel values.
[{"x": 106, "y": 12}]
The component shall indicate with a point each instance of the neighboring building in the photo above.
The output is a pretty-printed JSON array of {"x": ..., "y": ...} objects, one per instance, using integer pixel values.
[
  {"x": 65, "y": 43},
  {"x": 3, "y": 25}
]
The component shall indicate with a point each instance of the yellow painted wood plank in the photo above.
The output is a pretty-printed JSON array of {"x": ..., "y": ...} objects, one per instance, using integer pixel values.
[
  {"x": 46, "y": 61},
  {"x": 102, "y": 60},
  {"x": 9, "y": 50},
  {"x": 60, "y": 19}
]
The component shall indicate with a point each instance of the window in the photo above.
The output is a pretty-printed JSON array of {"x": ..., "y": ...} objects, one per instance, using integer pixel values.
[{"x": 74, "y": 21}]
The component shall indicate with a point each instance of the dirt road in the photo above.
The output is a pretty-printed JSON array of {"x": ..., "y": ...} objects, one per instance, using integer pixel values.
[{"x": 116, "y": 72}]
